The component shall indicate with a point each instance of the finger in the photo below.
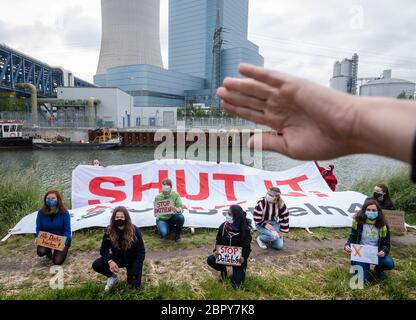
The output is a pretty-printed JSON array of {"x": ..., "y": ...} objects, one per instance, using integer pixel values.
[
  {"x": 245, "y": 113},
  {"x": 268, "y": 142},
  {"x": 270, "y": 77},
  {"x": 240, "y": 99},
  {"x": 248, "y": 87}
]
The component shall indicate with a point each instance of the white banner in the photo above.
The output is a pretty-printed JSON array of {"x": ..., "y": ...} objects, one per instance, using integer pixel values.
[{"x": 207, "y": 190}]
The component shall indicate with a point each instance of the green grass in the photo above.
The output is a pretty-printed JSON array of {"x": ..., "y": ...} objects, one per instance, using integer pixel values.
[
  {"x": 21, "y": 192},
  {"x": 323, "y": 277}
]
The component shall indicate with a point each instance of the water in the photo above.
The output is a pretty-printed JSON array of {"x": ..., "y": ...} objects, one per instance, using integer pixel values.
[{"x": 55, "y": 167}]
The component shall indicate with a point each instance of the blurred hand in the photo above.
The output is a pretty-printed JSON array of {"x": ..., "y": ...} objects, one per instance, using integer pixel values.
[
  {"x": 317, "y": 123},
  {"x": 381, "y": 254},
  {"x": 113, "y": 267},
  {"x": 347, "y": 249}
]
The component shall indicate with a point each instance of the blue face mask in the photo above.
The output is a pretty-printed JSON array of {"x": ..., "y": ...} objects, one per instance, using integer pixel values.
[
  {"x": 51, "y": 202},
  {"x": 371, "y": 215}
]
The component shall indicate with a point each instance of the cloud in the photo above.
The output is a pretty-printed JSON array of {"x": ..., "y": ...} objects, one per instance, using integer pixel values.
[{"x": 298, "y": 36}]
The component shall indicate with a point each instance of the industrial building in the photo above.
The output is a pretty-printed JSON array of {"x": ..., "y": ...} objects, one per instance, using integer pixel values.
[
  {"x": 207, "y": 40},
  {"x": 345, "y": 75},
  {"x": 386, "y": 86},
  {"x": 116, "y": 108}
]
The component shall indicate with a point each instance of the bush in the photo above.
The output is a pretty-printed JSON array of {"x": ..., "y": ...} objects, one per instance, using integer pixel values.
[{"x": 20, "y": 193}]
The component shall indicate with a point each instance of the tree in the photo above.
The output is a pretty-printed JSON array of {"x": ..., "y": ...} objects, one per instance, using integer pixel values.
[{"x": 402, "y": 95}]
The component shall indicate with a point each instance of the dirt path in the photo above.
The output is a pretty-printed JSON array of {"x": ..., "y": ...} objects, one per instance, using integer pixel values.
[{"x": 30, "y": 262}]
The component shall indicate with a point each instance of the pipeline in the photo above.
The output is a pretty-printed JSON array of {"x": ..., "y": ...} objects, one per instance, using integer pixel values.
[
  {"x": 91, "y": 112},
  {"x": 33, "y": 99}
]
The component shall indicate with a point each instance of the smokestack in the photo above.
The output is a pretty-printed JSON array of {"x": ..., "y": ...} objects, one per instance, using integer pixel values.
[{"x": 130, "y": 34}]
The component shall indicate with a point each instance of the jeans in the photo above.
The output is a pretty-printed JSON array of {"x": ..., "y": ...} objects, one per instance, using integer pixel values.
[
  {"x": 239, "y": 273},
  {"x": 134, "y": 271},
  {"x": 175, "y": 221},
  {"x": 268, "y": 236},
  {"x": 384, "y": 264}
]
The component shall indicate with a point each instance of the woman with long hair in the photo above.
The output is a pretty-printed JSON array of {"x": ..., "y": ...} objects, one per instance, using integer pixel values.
[
  {"x": 122, "y": 247},
  {"x": 235, "y": 232},
  {"x": 382, "y": 195},
  {"x": 370, "y": 228},
  {"x": 54, "y": 218}
]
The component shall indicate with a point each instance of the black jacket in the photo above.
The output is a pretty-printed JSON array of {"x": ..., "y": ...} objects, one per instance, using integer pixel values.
[
  {"x": 133, "y": 257},
  {"x": 385, "y": 205},
  {"x": 225, "y": 239}
]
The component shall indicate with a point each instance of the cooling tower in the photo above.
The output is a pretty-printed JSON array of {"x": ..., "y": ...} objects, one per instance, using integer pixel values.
[{"x": 130, "y": 34}]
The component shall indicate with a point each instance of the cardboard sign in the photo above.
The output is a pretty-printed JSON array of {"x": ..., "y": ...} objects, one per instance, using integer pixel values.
[
  {"x": 229, "y": 256},
  {"x": 52, "y": 241},
  {"x": 395, "y": 220},
  {"x": 364, "y": 253},
  {"x": 164, "y": 207}
]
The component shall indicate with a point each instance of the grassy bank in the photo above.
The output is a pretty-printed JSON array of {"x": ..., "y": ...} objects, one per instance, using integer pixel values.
[{"x": 311, "y": 275}]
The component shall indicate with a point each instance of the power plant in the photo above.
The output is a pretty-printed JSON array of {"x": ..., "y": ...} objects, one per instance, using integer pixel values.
[{"x": 130, "y": 34}]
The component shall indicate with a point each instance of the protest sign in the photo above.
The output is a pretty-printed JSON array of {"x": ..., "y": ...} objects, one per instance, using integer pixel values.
[
  {"x": 364, "y": 253},
  {"x": 164, "y": 207},
  {"x": 395, "y": 220},
  {"x": 52, "y": 241},
  {"x": 229, "y": 256}
]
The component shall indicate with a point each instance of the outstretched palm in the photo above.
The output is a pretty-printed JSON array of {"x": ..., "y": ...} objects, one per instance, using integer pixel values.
[{"x": 312, "y": 121}]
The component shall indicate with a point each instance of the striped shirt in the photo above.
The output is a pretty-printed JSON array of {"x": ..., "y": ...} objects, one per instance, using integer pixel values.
[{"x": 265, "y": 211}]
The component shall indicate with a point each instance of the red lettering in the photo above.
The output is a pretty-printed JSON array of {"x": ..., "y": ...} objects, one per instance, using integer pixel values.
[
  {"x": 203, "y": 186},
  {"x": 229, "y": 180},
  {"x": 139, "y": 187},
  {"x": 320, "y": 194},
  {"x": 293, "y": 183},
  {"x": 95, "y": 188}
]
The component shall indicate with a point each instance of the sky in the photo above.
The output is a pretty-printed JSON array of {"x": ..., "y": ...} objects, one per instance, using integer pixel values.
[{"x": 300, "y": 37}]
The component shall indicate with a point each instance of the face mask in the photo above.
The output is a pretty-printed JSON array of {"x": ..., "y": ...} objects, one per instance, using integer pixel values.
[
  {"x": 51, "y": 202},
  {"x": 269, "y": 198},
  {"x": 371, "y": 215},
  {"x": 166, "y": 188},
  {"x": 119, "y": 223},
  {"x": 377, "y": 195},
  {"x": 229, "y": 218}
]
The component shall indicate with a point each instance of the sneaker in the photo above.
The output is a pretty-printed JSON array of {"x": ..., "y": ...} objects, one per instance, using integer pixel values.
[
  {"x": 261, "y": 243},
  {"x": 110, "y": 282}
]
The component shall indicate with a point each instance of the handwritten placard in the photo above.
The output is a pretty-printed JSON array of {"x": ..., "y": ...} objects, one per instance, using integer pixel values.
[
  {"x": 364, "y": 253},
  {"x": 164, "y": 207},
  {"x": 395, "y": 220},
  {"x": 229, "y": 256},
  {"x": 52, "y": 241}
]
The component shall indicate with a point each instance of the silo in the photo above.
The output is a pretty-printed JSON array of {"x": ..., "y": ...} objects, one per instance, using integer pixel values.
[
  {"x": 346, "y": 68},
  {"x": 130, "y": 34},
  {"x": 337, "y": 69}
]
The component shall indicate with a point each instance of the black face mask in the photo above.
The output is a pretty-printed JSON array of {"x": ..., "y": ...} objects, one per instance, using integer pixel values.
[
  {"x": 119, "y": 223},
  {"x": 377, "y": 195}
]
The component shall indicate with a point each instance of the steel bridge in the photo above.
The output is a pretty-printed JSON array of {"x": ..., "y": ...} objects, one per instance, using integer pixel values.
[{"x": 16, "y": 67}]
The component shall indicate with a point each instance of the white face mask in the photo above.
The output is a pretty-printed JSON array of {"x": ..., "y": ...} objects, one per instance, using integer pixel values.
[
  {"x": 269, "y": 198},
  {"x": 229, "y": 218},
  {"x": 166, "y": 188}
]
